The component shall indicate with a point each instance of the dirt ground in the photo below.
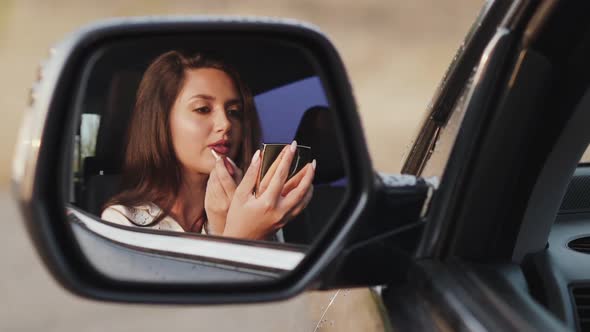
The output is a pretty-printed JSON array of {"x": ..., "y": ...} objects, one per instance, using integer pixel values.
[{"x": 395, "y": 51}]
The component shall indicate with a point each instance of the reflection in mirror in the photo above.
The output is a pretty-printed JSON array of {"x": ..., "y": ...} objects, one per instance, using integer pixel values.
[{"x": 189, "y": 153}]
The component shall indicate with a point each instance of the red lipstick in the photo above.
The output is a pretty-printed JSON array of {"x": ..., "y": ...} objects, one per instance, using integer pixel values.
[{"x": 221, "y": 146}]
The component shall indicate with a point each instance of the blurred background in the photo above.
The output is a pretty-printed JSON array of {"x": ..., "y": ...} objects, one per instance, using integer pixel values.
[{"x": 395, "y": 52}]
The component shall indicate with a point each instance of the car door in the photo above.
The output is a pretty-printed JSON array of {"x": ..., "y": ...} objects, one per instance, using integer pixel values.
[
  {"x": 521, "y": 112},
  {"x": 431, "y": 148}
]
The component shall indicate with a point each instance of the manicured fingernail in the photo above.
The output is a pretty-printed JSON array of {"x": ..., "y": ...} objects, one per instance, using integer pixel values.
[
  {"x": 313, "y": 164},
  {"x": 293, "y": 146},
  {"x": 230, "y": 166},
  {"x": 231, "y": 161},
  {"x": 256, "y": 156},
  {"x": 215, "y": 155}
]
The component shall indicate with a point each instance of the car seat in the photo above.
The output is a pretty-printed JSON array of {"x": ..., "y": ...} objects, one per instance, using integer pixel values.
[
  {"x": 317, "y": 130},
  {"x": 101, "y": 172}
]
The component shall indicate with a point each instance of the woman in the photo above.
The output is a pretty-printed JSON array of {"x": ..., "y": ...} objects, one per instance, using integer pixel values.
[{"x": 190, "y": 161}]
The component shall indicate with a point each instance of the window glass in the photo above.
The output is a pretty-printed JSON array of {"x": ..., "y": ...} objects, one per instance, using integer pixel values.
[
  {"x": 586, "y": 156},
  {"x": 88, "y": 133},
  {"x": 289, "y": 102}
]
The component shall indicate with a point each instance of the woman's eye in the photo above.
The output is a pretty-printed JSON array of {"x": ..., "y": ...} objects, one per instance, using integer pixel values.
[
  {"x": 234, "y": 113},
  {"x": 203, "y": 110}
]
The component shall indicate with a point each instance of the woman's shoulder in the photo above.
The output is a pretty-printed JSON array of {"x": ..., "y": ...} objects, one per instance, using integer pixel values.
[{"x": 141, "y": 215}]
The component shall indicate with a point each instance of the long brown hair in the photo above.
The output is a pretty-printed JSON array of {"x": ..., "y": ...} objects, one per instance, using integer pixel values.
[{"x": 151, "y": 170}]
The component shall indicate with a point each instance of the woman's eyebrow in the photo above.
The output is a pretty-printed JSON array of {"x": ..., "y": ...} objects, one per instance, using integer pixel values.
[
  {"x": 202, "y": 96},
  {"x": 207, "y": 97},
  {"x": 233, "y": 102}
]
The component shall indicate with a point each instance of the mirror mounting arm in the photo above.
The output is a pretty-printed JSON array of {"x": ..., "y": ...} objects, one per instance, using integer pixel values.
[{"x": 383, "y": 246}]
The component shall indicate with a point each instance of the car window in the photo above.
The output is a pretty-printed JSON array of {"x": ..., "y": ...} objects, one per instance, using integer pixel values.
[
  {"x": 86, "y": 139},
  {"x": 430, "y": 150},
  {"x": 441, "y": 149},
  {"x": 586, "y": 156},
  {"x": 85, "y": 148},
  {"x": 290, "y": 101}
]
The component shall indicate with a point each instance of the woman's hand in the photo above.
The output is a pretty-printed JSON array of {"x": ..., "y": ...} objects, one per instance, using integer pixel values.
[
  {"x": 222, "y": 183},
  {"x": 252, "y": 217},
  {"x": 291, "y": 184}
]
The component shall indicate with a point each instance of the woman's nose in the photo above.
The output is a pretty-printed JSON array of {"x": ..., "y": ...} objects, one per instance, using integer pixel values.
[{"x": 222, "y": 122}]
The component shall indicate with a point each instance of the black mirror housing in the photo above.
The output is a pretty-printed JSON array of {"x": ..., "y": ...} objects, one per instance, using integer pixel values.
[{"x": 40, "y": 171}]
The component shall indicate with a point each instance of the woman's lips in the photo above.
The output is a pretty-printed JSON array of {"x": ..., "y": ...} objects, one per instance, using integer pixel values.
[{"x": 219, "y": 148}]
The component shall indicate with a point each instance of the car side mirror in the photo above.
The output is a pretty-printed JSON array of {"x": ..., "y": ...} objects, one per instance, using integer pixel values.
[{"x": 75, "y": 160}]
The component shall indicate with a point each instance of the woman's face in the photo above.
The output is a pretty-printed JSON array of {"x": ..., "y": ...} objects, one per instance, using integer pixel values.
[{"x": 207, "y": 115}]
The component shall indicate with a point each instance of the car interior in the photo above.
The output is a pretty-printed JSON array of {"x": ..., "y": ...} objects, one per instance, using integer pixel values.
[
  {"x": 553, "y": 242},
  {"x": 558, "y": 277},
  {"x": 114, "y": 79},
  {"x": 549, "y": 87}
]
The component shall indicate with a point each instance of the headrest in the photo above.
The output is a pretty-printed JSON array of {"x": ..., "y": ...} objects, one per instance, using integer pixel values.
[{"x": 317, "y": 130}]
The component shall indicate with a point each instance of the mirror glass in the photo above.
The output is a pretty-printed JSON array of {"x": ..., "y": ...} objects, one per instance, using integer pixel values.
[{"x": 201, "y": 158}]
